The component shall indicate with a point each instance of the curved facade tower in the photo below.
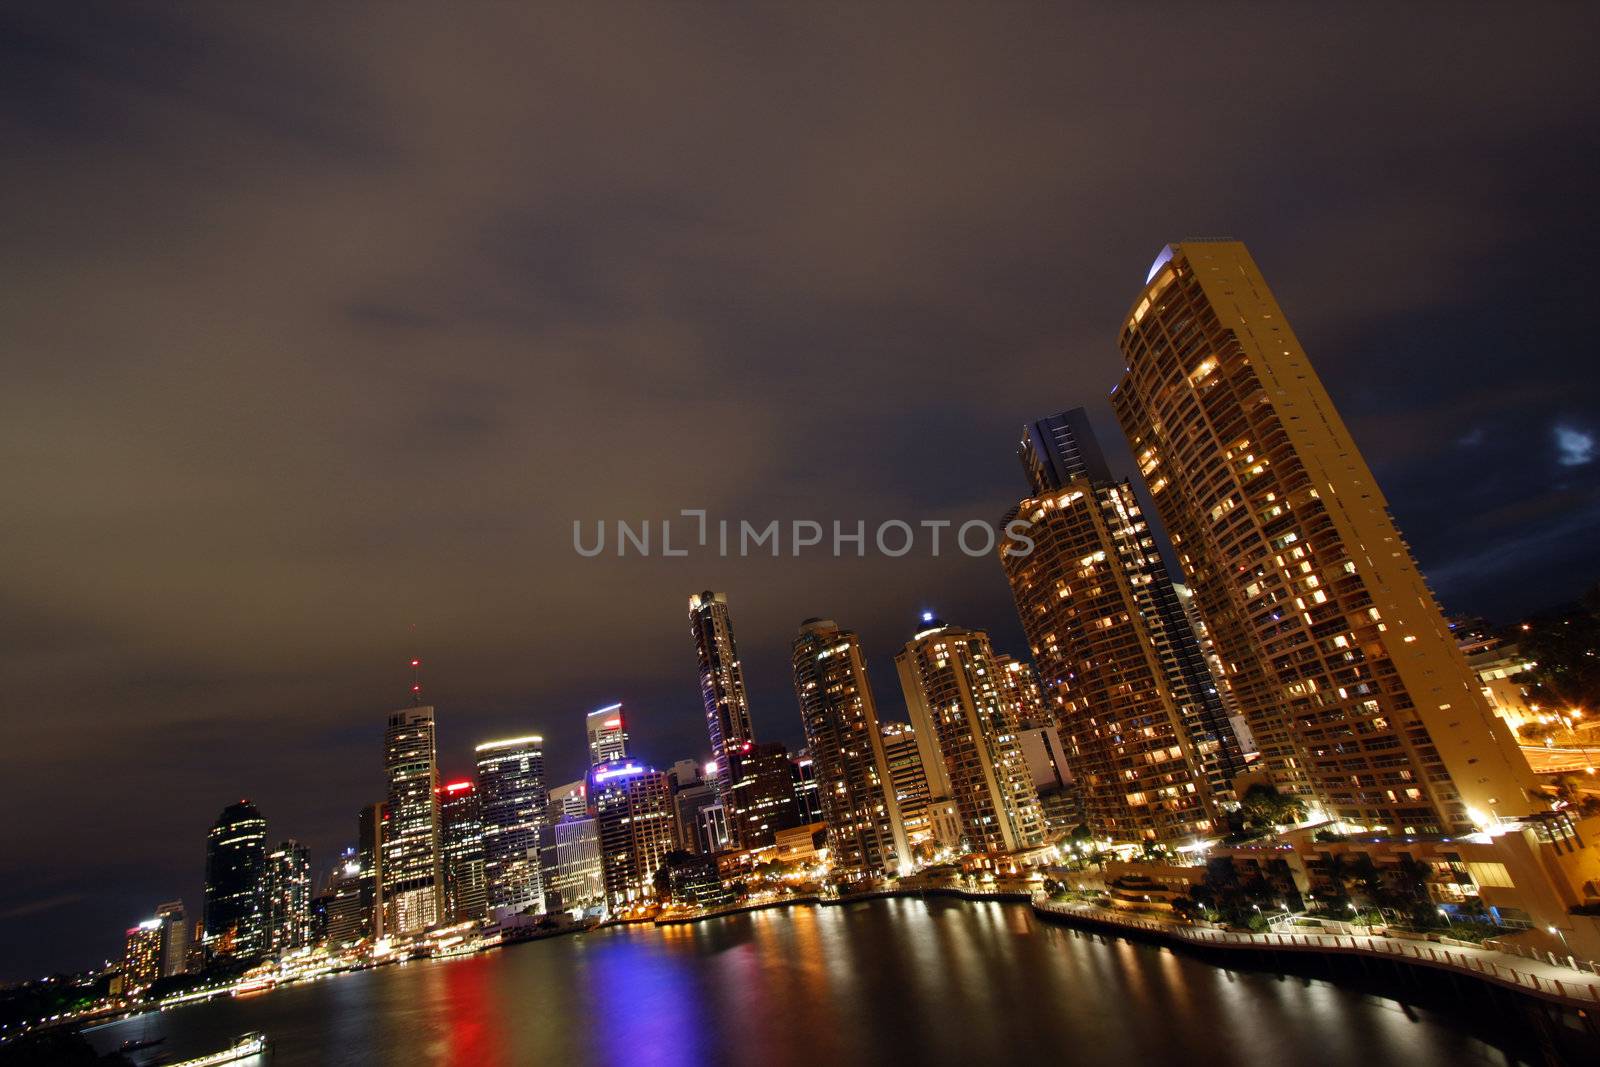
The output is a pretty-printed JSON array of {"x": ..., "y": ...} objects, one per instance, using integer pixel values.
[
  {"x": 236, "y": 870},
  {"x": 1334, "y": 648}
]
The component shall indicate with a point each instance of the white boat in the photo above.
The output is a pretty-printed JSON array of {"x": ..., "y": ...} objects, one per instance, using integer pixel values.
[{"x": 248, "y": 1045}]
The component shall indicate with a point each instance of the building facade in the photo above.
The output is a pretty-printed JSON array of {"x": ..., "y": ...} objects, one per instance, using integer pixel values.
[
  {"x": 727, "y": 705},
  {"x": 1335, "y": 650},
  {"x": 466, "y": 890},
  {"x": 141, "y": 956},
  {"x": 866, "y": 833},
  {"x": 288, "y": 898},
  {"x": 910, "y": 782},
  {"x": 411, "y": 868},
  {"x": 513, "y": 805},
  {"x": 950, "y": 679},
  {"x": 636, "y": 827},
  {"x": 607, "y": 728},
  {"x": 174, "y": 938},
  {"x": 236, "y": 865}
]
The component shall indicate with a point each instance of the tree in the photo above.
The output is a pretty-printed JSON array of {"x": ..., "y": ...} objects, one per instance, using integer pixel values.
[{"x": 1263, "y": 806}]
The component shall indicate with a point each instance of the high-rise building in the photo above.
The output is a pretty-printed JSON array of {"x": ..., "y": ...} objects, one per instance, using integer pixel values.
[
  {"x": 608, "y": 734},
  {"x": 866, "y": 834},
  {"x": 711, "y": 829},
  {"x": 174, "y": 938},
  {"x": 369, "y": 855},
  {"x": 411, "y": 867},
  {"x": 685, "y": 773},
  {"x": 466, "y": 895},
  {"x": 764, "y": 784},
  {"x": 569, "y": 801},
  {"x": 514, "y": 805},
  {"x": 958, "y": 710},
  {"x": 349, "y": 906},
  {"x": 141, "y": 956},
  {"x": 727, "y": 705},
  {"x": 910, "y": 782},
  {"x": 687, "y": 803},
  {"x": 636, "y": 828},
  {"x": 807, "y": 797},
  {"x": 288, "y": 897},
  {"x": 236, "y": 863},
  {"x": 1124, "y": 672},
  {"x": 1059, "y": 449},
  {"x": 577, "y": 881},
  {"x": 1022, "y": 692},
  {"x": 1335, "y": 650}
]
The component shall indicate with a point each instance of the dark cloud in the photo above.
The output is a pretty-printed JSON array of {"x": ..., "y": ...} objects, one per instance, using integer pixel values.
[{"x": 319, "y": 325}]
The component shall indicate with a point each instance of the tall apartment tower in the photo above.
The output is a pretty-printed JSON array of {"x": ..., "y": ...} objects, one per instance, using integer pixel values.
[
  {"x": 963, "y": 723},
  {"x": 608, "y": 734},
  {"x": 411, "y": 861},
  {"x": 866, "y": 834},
  {"x": 909, "y": 780},
  {"x": 1336, "y": 652},
  {"x": 514, "y": 806},
  {"x": 726, "y": 702},
  {"x": 236, "y": 867},
  {"x": 1148, "y": 740}
]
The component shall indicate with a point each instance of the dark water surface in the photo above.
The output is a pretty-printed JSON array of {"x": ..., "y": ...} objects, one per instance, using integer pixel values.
[{"x": 889, "y": 981}]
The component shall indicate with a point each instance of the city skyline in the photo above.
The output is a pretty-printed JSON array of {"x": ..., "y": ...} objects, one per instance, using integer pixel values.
[
  {"x": 303, "y": 359},
  {"x": 1047, "y": 468}
]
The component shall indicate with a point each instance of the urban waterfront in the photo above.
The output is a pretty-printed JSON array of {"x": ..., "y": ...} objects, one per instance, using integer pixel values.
[{"x": 935, "y": 981}]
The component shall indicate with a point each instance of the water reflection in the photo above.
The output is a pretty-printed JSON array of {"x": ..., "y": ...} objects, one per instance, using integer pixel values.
[{"x": 933, "y": 981}]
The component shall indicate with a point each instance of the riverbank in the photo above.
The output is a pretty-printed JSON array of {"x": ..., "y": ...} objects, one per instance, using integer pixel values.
[
  {"x": 1016, "y": 896},
  {"x": 1551, "y": 983}
]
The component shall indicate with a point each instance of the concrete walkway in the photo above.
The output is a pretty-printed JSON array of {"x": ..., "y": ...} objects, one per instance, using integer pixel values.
[{"x": 1534, "y": 977}]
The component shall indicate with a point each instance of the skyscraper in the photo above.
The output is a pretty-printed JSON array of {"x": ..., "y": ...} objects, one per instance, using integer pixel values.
[
  {"x": 350, "y": 909},
  {"x": 1335, "y": 650},
  {"x": 461, "y": 842},
  {"x": 866, "y": 834},
  {"x": 636, "y": 827},
  {"x": 764, "y": 784},
  {"x": 236, "y": 860},
  {"x": 411, "y": 868},
  {"x": 141, "y": 956},
  {"x": 1134, "y": 730},
  {"x": 369, "y": 856},
  {"x": 807, "y": 797},
  {"x": 1060, "y": 448},
  {"x": 950, "y": 679},
  {"x": 726, "y": 703},
  {"x": 512, "y": 796},
  {"x": 288, "y": 897},
  {"x": 608, "y": 734},
  {"x": 577, "y": 879},
  {"x": 570, "y": 800},
  {"x": 909, "y": 780},
  {"x": 174, "y": 938},
  {"x": 1113, "y": 638}
]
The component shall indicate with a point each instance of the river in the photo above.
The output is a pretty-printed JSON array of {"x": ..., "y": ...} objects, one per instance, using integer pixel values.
[{"x": 887, "y": 981}]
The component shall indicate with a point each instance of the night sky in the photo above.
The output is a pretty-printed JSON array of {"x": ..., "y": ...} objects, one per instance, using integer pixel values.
[{"x": 317, "y": 326}]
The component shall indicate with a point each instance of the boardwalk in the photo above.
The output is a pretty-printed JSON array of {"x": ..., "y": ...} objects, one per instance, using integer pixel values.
[{"x": 1533, "y": 977}]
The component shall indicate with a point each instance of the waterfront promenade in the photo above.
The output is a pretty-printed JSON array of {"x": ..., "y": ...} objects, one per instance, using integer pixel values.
[{"x": 1538, "y": 978}]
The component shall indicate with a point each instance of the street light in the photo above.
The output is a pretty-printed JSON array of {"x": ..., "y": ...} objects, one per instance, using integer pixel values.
[{"x": 1563, "y": 938}]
